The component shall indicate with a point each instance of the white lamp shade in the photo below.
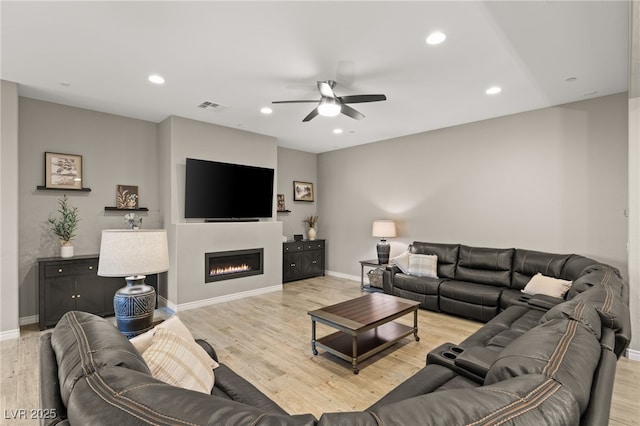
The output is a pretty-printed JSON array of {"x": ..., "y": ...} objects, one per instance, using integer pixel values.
[
  {"x": 384, "y": 229},
  {"x": 126, "y": 252}
]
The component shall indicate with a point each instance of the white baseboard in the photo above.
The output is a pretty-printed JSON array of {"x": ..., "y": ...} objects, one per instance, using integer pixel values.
[
  {"x": 633, "y": 355},
  {"x": 9, "y": 334},
  {"x": 33, "y": 319},
  {"x": 341, "y": 275},
  {"x": 221, "y": 299}
]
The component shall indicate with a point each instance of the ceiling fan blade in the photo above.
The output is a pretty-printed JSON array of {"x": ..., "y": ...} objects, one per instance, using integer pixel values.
[
  {"x": 311, "y": 115},
  {"x": 295, "y": 102},
  {"x": 326, "y": 88},
  {"x": 356, "y": 99},
  {"x": 350, "y": 112}
]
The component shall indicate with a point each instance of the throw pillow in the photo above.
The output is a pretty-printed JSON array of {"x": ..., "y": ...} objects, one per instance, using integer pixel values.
[
  {"x": 402, "y": 262},
  {"x": 541, "y": 284},
  {"x": 423, "y": 265},
  {"x": 174, "y": 361},
  {"x": 143, "y": 341}
]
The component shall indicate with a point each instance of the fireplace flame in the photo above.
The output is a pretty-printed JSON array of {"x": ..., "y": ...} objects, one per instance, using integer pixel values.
[{"x": 229, "y": 270}]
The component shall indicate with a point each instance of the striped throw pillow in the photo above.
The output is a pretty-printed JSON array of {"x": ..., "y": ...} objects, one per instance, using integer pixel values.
[
  {"x": 179, "y": 363},
  {"x": 423, "y": 265}
]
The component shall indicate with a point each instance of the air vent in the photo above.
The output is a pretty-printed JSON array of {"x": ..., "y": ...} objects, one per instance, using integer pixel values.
[{"x": 211, "y": 106}]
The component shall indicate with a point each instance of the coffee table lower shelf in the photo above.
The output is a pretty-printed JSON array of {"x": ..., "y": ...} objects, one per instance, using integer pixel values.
[{"x": 357, "y": 348}]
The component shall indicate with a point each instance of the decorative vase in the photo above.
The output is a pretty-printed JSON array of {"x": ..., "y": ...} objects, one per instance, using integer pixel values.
[
  {"x": 66, "y": 250},
  {"x": 312, "y": 234}
]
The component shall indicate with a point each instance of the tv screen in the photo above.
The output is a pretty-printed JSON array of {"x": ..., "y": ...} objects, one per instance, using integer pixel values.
[{"x": 215, "y": 190}]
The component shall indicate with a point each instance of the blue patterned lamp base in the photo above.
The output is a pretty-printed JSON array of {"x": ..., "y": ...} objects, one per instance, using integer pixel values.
[{"x": 134, "y": 305}]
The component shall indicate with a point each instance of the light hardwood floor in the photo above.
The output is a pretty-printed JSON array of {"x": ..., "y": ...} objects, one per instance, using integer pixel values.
[{"x": 266, "y": 339}]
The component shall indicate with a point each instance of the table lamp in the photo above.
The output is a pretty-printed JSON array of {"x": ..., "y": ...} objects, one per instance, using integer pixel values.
[
  {"x": 383, "y": 229},
  {"x": 132, "y": 254}
]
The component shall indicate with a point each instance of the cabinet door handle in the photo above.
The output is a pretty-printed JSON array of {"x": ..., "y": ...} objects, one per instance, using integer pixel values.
[
  {"x": 78, "y": 296},
  {"x": 314, "y": 262},
  {"x": 293, "y": 264},
  {"x": 73, "y": 296},
  {"x": 59, "y": 270},
  {"x": 91, "y": 268}
]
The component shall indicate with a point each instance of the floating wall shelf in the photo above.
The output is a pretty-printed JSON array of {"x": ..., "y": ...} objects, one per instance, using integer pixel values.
[
  {"x": 115, "y": 209},
  {"x": 44, "y": 188}
]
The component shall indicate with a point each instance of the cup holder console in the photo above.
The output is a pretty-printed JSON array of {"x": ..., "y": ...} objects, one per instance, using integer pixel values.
[{"x": 446, "y": 356}]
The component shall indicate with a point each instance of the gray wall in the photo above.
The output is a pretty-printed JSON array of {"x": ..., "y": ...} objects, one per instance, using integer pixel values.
[
  {"x": 552, "y": 180},
  {"x": 116, "y": 150},
  {"x": 296, "y": 165},
  {"x": 9, "y": 327}
]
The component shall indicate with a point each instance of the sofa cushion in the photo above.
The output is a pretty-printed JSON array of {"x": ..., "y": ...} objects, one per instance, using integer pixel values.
[
  {"x": 420, "y": 285},
  {"x": 525, "y": 400},
  {"x": 179, "y": 362},
  {"x": 484, "y": 265},
  {"x": 423, "y": 265},
  {"x": 84, "y": 343},
  {"x": 478, "y": 294},
  {"x": 577, "y": 311},
  {"x": 561, "y": 349},
  {"x": 447, "y": 256},
  {"x": 542, "y": 284},
  {"x": 527, "y": 263},
  {"x": 578, "y": 265},
  {"x": 597, "y": 277}
]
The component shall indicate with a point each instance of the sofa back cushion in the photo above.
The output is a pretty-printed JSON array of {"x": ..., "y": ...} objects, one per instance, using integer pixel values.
[
  {"x": 484, "y": 265},
  {"x": 577, "y": 265},
  {"x": 561, "y": 349},
  {"x": 527, "y": 263},
  {"x": 447, "y": 256},
  {"x": 84, "y": 343}
]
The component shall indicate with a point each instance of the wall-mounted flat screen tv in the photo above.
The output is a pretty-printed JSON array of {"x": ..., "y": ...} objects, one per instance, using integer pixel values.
[{"x": 215, "y": 190}]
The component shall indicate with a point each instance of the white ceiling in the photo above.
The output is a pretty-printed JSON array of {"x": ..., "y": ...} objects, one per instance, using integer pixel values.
[{"x": 243, "y": 55}]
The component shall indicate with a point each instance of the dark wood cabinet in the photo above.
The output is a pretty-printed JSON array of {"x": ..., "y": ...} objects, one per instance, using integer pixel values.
[
  {"x": 73, "y": 284},
  {"x": 302, "y": 259}
]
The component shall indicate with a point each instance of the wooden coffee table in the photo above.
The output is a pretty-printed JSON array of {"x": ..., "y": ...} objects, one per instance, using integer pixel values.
[{"x": 365, "y": 326}]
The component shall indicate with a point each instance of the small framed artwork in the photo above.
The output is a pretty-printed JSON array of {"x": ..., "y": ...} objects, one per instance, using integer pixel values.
[
  {"x": 62, "y": 171},
  {"x": 281, "y": 206},
  {"x": 302, "y": 191},
  {"x": 127, "y": 197}
]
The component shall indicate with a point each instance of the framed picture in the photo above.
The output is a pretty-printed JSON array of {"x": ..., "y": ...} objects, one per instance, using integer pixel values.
[
  {"x": 281, "y": 206},
  {"x": 302, "y": 191},
  {"x": 62, "y": 171},
  {"x": 127, "y": 197}
]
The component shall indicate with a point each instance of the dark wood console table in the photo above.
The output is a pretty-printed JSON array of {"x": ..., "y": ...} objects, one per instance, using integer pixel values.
[{"x": 73, "y": 284}]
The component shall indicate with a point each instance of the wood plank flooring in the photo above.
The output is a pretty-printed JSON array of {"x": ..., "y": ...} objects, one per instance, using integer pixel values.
[{"x": 266, "y": 339}]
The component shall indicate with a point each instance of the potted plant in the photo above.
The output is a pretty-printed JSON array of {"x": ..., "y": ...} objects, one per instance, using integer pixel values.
[
  {"x": 65, "y": 226},
  {"x": 312, "y": 222}
]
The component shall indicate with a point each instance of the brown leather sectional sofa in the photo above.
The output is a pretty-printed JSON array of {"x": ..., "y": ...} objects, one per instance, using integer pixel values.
[{"x": 528, "y": 365}]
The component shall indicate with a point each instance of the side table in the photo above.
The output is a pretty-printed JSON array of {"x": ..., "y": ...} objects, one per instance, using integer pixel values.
[{"x": 370, "y": 263}]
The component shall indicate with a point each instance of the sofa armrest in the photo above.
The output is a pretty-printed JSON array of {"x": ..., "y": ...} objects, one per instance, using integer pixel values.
[
  {"x": 208, "y": 348},
  {"x": 476, "y": 359},
  {"x": 50, "y": 398},
  {"x": 387, "y": 278},
  {"x": 543, "y": 301}
]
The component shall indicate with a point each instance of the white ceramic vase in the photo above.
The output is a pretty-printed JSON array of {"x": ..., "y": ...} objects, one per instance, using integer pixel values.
[
  {"x": 312, "y": 234},
  {"x": 66, "y": 251}
]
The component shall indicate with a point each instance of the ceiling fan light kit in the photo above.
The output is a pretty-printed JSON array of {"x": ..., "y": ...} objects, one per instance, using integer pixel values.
[{"x": 331, "y": 105}]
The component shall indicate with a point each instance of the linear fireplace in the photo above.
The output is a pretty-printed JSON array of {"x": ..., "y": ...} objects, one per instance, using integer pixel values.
[{"x": 226, "y": 265}]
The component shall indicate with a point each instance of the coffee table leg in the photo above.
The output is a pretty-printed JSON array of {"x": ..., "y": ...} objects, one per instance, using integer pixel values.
[
  {"x": 354, "y": 355},
  {"x": 415, "y": 325},
  {"x": 313, "y": 337}
]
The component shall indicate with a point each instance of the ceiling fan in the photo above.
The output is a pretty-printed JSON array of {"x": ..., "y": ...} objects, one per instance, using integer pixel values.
[{"x": 331, "y": 105}]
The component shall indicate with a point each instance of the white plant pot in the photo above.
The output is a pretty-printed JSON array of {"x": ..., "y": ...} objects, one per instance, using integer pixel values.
[
  {"x": 312, "y": 234},
  {"x": 66, "y": 251}
]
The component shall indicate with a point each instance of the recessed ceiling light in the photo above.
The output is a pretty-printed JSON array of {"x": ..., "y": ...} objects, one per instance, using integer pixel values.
[
  {"x": 266, "y": 110},
  {"x": 494, "y": 90},
  {"x": 156, "y": 79},
  {"x": 436, "y": 37},
  {"x": 337, "y": 131}
]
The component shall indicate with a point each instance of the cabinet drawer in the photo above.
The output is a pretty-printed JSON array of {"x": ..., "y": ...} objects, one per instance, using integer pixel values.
[
  {"x": 65, "y": 269},
  {"x": 313, "y": 245},
  {"x": 293, "y": 247}
]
